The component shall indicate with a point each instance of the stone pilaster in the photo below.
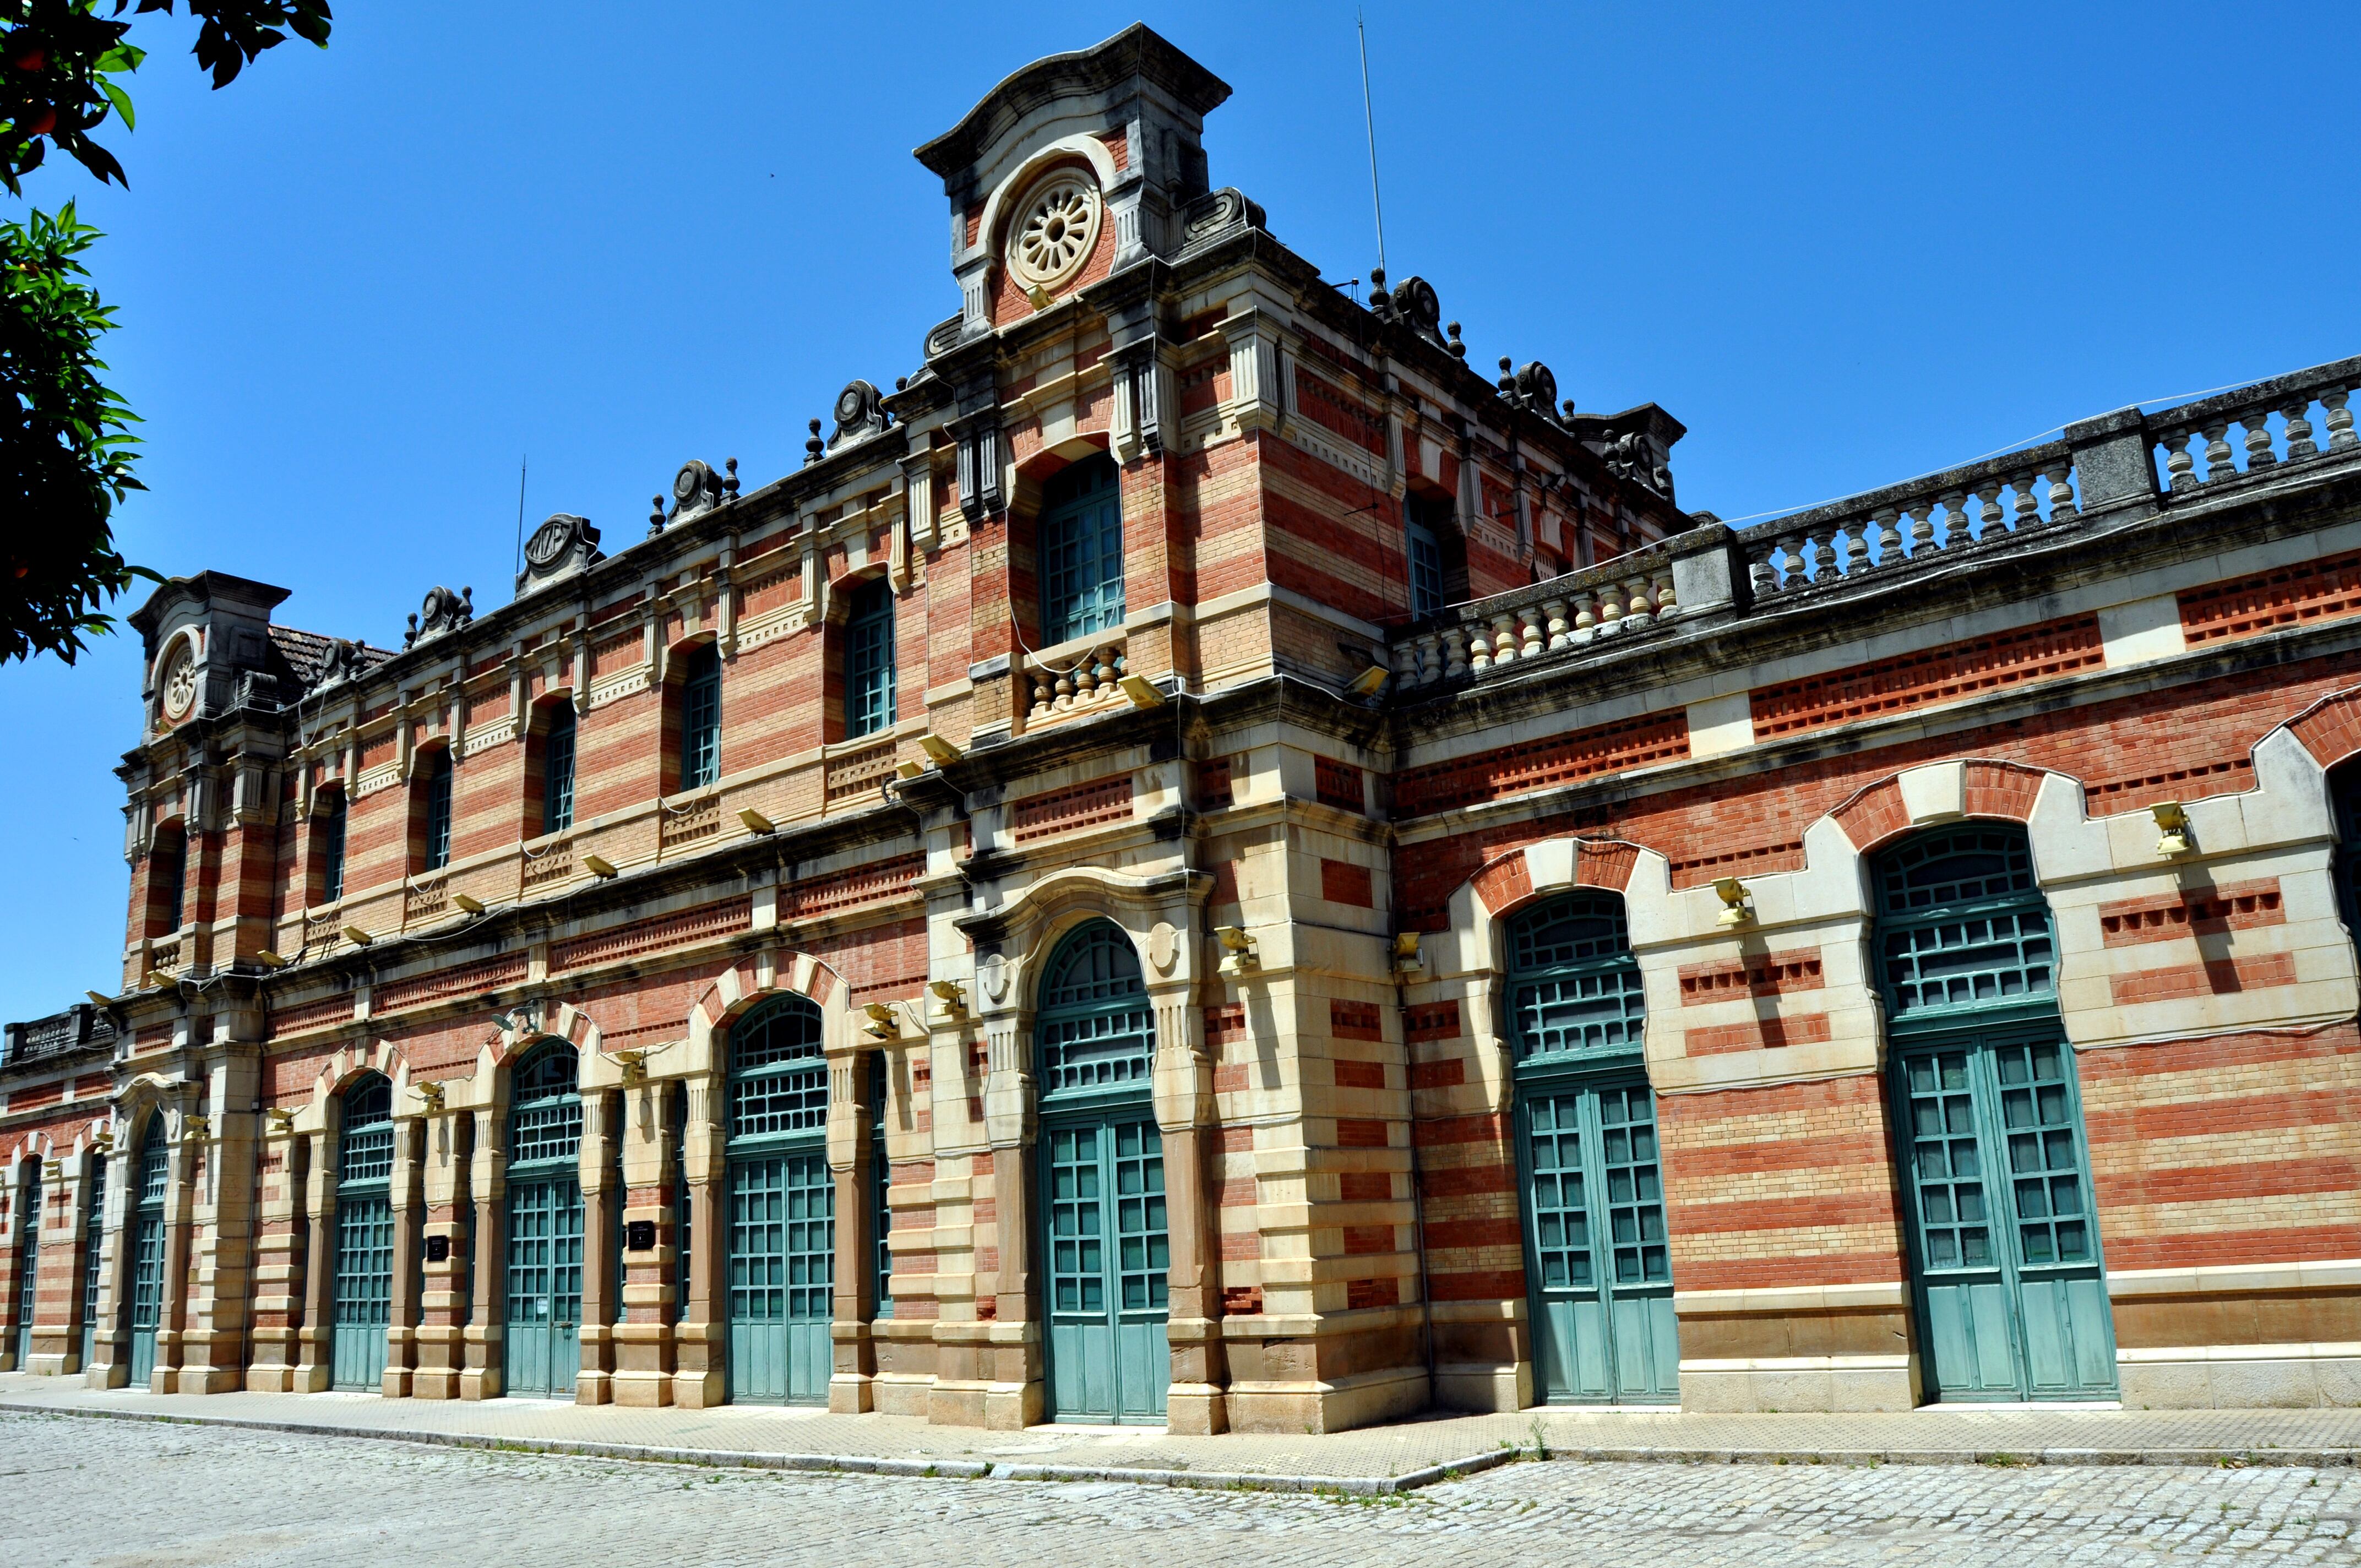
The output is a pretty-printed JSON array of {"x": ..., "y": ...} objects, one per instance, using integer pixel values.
[
  {"x": 643, "y": 1355},
  {"x": 698, "y": 1336},
  {"x": 484, "y": 1375}
]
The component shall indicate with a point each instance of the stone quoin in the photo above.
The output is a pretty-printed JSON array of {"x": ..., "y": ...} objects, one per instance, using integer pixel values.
[{"x": 1204, "y": 861}]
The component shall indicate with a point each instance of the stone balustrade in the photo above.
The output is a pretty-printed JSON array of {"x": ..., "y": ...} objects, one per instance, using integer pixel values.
[
  {"x": 2098, "y": 468},
  {"x": 1083, "y": 682}
]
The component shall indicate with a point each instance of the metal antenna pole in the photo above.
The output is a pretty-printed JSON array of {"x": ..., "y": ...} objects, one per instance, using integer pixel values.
[
  {"x": 1369, "y": 118},
  {"x": 520, "y": 539}
]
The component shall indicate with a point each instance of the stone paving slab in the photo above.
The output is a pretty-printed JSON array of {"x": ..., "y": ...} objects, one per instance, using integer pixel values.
[{"x": 1373, "y": 1460}]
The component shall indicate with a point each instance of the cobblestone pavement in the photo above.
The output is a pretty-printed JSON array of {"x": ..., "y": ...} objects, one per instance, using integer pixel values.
[{"x": 126, "y": 1495}]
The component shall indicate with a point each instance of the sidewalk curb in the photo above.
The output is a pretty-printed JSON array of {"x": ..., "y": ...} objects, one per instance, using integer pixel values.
[{"x": 1244, "y": 1481}]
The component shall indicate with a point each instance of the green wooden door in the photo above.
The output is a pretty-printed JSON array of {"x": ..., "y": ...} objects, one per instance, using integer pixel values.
[
  {"x": 543, "y": 1336},
  {"x": 363, "y": 1299},
  {"x": 2010, "y": 1290},
  {"x": 782, "y": 1278},
  {"x": 1599, "y": 1272},
  {"x": 148, "y": 1249},
  {"x": 1109, "y": 1254},
  {"x": 2012, "y": 1293},
  {"x": 93, "y": 1250},
  {"x": 28, "y": 1270}
]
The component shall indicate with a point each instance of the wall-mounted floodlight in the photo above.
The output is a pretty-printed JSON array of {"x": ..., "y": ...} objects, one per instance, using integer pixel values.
[
  {"x": 1407, "y": 957},
  {"x": 1735, "y": 910},
  {"x": 1368, "y": 683},
  {"x": 270, "y": 960},
  {"x": 357, "y": 937},
  {"x": 431, "y": 1096},
  {"x": 1141, "y": 691},
  {"x": 908, "y": 770},
  {"x": 2172, "y": 825},
  {"x": 634, "y": 1064},
  {"x": 467, "y": 906},
  {"x": 756, "y": 822},
  {"x": 950, "y": 994},
  {"x": 98, "y": 1001},
  {"x": 882, "y": 1024},
  {"x": 282, "y": 1120},
  {"x": 940, "y": 750},
  {"x": 599, "y": 866}
]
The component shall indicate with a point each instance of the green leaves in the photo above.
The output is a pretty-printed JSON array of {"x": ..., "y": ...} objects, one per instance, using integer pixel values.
[{"x": 65, "y": 442}]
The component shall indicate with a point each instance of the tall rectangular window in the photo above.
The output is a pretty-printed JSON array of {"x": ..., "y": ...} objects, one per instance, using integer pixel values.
[
  {"x": 329, "y": 827},
  {"x": 557, "y": 769},
  {"x": 1080, "y": 547},
  {"x": 171, "y": 875},
  {"x": 436, "y": 809},
  {"x": 700, "y": 718},
  {"x": 1425, "y": 570},
  {"x": 869, "y": 660}
]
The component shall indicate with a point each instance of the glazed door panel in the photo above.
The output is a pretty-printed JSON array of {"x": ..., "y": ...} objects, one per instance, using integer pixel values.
[
  {"x": 2005, "y": 1237},
  {"x": 1109, "y": 1256},
  {"x": 147, "y": 1293},
  {"x": 782, "y": 1275},
  {"x": 544, "y": 1285},
  {"x": 364, "y": 1291},
  {"x": 1597, "y": 1264}
]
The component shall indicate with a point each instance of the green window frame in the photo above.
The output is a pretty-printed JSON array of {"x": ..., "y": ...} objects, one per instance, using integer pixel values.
[
  {"x": 557, "y": 768},
  {"x": 869, "y": 660},
  {"x": 1962, "y": 930},
  {"x": 1574, "y": 990},
  {"x": 543, "y": 1268},
  {"x": 28, "y": 1266},
  {"x": 1079, "y": 539},
  {"x": 155, "y": 1177},
  {"x": 700, "y": 718},
  {"x": 364, "y": 1238},
  {"x": 1094, "y": 1032},
  {"x": 778, "y": 1073},
  {"x": 330, "y": 825},
  {"x": 881, "y": 1180},
  {"x": 684, "y": 1209},
  {"x": 436, "y": 807}
]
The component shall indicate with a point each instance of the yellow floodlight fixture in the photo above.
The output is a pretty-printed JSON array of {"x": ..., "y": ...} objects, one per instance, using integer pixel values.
[
  {"x": 467, "y": 906},
  {"x": 2172, "y": 827},
  {"x": 1735, "y": 910},
  {"x": 599, "y": 866},
  {"x": 756, "y": 822},
  {"x": 941, "y": 751}
]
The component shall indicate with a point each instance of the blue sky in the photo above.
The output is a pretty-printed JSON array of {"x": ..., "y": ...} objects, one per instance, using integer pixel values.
[{"x": 1843, "y": 245}]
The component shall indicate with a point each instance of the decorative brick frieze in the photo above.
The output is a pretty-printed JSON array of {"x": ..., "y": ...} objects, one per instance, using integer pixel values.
[
  {"x": 2193, "y": 912},
  {"x": 1431, "y": 1021},
  {"x": 1072, "y": 809},
  {"x": 1757, "y": 1034},
  {"x": 860, "y": 775},
  {"x": 1948, "y": 673},
  {"x": 652, "y": 936},
  {"x": 1537, "y": 765},
  {"x": 1775, "y": 974},
  {"x": 810, "y": 897},
  {"x": 2194, "y": 781},
  {"x": 1339, "y": 784},
  {"x": 1325, "y": 406},
  {"x": 325, "y": 1013},
  {"x": 1696, "y": 870},
  {"x": 465, "y": 980},
  {"x": 1355, "y": 1021},
  {"x": 2284, "y": 595}
]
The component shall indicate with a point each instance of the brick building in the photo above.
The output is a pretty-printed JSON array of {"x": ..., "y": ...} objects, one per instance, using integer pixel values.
[{"x": 1202, "y": 860}]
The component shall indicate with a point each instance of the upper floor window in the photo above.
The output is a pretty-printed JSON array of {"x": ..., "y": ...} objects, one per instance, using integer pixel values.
[
  {"x": 1961, "y": 922},
  {"x": 365, "y": 1149},
  {"x": 557, "y": 768},
  {"x": 167, "y": 880},
  {"x": 1095, "y": 1029},
  {"x": 1573, "y": 985},
  {"x": 328, "y": 843},
  {"x": 1425, "y": 552},
  {"x": 700, "y": 716},
  {"x": 1081, "y": 546},
  {"x": 1437, "y": 552},
  {"x": 869, "y": 660},
  {"x": 434, "y": 811},
  {"x": 778, "y": 1075}
]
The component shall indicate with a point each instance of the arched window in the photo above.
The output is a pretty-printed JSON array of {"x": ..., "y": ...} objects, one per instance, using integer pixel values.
[
  {"x": 782, "y": 1212},
  {"x": 1961, "y": 923},
  {"x": 1080, "y": 540},
  {"x": 1573, "y": 986},
  {"x": 1094, "y": 1027},
  {"x": 700, "y": 716},
  {"x": 557, "y": 767},
  {"x": 542, "y": 1344},
  {"x": 434, "y": 794},
  {"x": 153, "y": 1179},
  {"x": 328, "y": 842},
  {"x": 869, "y": 660},
  {"x": 364, "y": 1260}
]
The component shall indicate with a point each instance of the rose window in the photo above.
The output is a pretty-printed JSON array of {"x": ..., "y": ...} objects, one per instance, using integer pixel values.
[
  {"x": 1053, "y": 239},
  {"x": 181, "y": 683}
]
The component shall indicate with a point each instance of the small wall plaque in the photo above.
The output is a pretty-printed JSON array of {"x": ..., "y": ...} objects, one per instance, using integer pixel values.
[
  {"x": 438, "y": 1249},
  {"x": 640, "y": 1235}
]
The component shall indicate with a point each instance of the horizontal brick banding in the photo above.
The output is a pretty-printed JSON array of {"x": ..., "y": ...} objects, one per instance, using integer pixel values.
[
  {"x": 1777, "y": 974},
  {"x": 1355, "y": 1021},
  {"x": 843, "y": 889},
  {"x": 1361, "y": 1240},
  {"x": 1364, "y": 1293},
  {"x": 1356, "y": 1132},
  {"x": 1959, "y": 670},
  {"x": 652, "y": 935},
  {"x": 320, "y": 1014},
  {"x": 1325, "y": 406},
  {"x": 1852, "y": 1267},
  {"x": 1757, "y": 860},
  {"x": 1431, "y": 1021},
  {"x": 1492, "y": 1178},
  {"x": 1448, "y": 1074},
  {"x": 467, "y": 980},
  {"x": 1342, "y": 882},
  {"x": 1338, "y": 784},
  {"x": 1762, "y": 1034},
  {"x": 1484, "y": 1127},
  {"x": 1536, "y": 765},
  {"x": 2284, "y": 595},
  {"x": 2229, "y": 1115},
  {"x": 1074, "y": 807},
  {"x": 2217, "y": 1248},
  {"x": 1365, "y": 1187},
  {"x": 1477, "y": 1285},
  {"x": 1491, "y": 1231},
  {"x": 1360, "y": 1074},
  {"x": 2214, "y": 977},
  {"x": 2240, "y": 906},
  {"x": 2229, "y": 776}
]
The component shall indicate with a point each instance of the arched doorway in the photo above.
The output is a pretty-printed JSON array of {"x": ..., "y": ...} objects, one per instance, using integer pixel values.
[
  {"x": 542, "y": 1337},
  {"x": 1598, "y": 1273},
  {"x": 364, "y": 1282},
  {"x": 782, "y": 1213},
  {"x": 1102, "y": 1174},
  {"x": 153, "y": 1176},
  {"x": 94, "y": 1239},
  {"x": 2012, "y": 1296}
]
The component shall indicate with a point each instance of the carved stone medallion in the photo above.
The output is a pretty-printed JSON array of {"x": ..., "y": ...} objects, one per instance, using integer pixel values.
[
  {"x": 1054, "y": 230},
  {"x": 993, "y": 973},
  {"x": 179, "y": 683},
  {"x": 1163, "y": 948}
]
